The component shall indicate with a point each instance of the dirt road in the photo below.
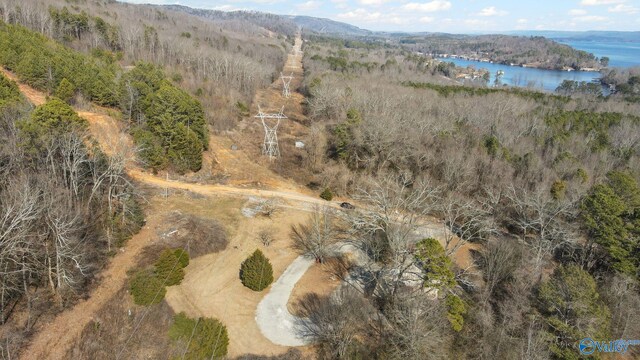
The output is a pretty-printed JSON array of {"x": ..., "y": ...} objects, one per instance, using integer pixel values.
[{"x": 54, "y": 339}]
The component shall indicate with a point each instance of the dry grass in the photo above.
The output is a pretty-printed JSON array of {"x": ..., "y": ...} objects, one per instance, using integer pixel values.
[
  {"x": 212, "y": 287},
  {"x": 319, "y": 279}
]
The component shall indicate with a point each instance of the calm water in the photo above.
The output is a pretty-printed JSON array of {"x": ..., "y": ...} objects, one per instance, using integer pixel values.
[
  {"x": 528, "y": 77},
  {"x": 621, "y": 54}
]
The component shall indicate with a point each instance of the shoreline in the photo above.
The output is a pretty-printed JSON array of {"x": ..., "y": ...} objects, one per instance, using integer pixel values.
[{"x": 527, "y": 66}]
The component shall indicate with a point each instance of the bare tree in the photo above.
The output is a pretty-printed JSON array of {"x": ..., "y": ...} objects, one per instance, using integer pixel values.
[
  {"x": 541, "y": 221},
  {"x": 317, "y": 235},
  {"x": 387, "y": 229},
  {"x": 417, "y": 329},
  {"x": 464, "y": 221},
  {"x": 498, "y": 260},
  {"x": 336, "y": 322}
]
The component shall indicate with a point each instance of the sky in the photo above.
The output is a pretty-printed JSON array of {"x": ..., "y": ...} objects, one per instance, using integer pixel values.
[{"x": 452, "y": 16}]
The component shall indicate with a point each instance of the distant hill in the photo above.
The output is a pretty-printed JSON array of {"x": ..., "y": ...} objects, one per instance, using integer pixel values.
[
  {"x": 327, "y": 26},
  {"x": 285, "y": 24},
  {"x": 619, "y": 36},
  {"x": 276, "y": 23}
]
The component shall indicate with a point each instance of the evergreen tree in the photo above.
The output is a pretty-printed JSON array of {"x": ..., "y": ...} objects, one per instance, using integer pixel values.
[
  {"x": 612, "y": 224},
  {"x": 571, "y": 305},
  {"x": 65, "y": 91},
  {"x": 256, "y": 272},
  {"x": 151, "y": 151},
  {"x": 9, "y": 92},
  {"x": 185, "y": 151},
  {"x": 431, "y": 257},
  {"x": 456, "y": 310},
  {"x": 169, "y": 267},
  {"x": 146, "y": 288},
  {"x": 51, "y": 119},
  {"x": 206, "y": 338}
]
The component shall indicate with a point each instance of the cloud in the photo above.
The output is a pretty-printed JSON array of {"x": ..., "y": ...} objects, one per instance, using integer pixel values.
[
  {"x": 577, "y": 12},
  {"x": 433, "y": 6},
  {"x": 522, "y": 21},
  {"x": 590, "y": 18},
  {"x": 360, "y": 14},
  {"x": 372, "y": 2},
  {"x": 492, "y": 11},
  {"x": 309, "y": 5},
  {"x": 601, "y": 2},
  {"x": 623, "y": 9},
  {"x": 426, "y": 19}
]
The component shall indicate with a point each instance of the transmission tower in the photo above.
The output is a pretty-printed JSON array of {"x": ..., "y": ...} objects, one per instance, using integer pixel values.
[
  {"x": 286, "y": 81},
  {"x": 270, "y": 145}
]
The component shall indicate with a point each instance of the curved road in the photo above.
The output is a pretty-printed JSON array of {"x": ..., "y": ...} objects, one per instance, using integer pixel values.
[{"x": 272, "y": 315}]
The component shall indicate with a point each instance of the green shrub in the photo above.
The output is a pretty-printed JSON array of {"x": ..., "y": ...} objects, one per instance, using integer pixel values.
[
  {"x": 492, "y": 145},
  {"x": 243, "y": 109},
  {"x": 558, "y": 189},
  {"x": 65, "y": 91},
  {"x": 146, "y": 288},
  {"x": 456, "y": 310},
  {"x": 169, "y": 268},
  {"x": 326, "y": 194},
  {"x": 206, "y": 338},
  {"x": 182, "y": 256},
  {"x": 582, "y": 174},
  {"x": 9, "y": 92},
  {"x": 256, "y": 272},
  {"x": 51, "y": 119}
]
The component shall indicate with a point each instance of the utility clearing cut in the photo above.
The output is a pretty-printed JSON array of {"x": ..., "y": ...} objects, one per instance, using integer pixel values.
[{"x": 211, "y": 287}]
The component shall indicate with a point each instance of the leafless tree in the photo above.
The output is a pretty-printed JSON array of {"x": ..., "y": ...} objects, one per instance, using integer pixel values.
[
  {"x": 386, "y": 229},
  {"x": 317, "y": 235},
  {"x": 418, "y": 328},
  {"x": 541, "y": 221},
  {"x": 266, "y": 237},
  {"x": 498, "y": 260},
  {"x": 336, "y": 322},
  {"x": 464, "y": 221}
]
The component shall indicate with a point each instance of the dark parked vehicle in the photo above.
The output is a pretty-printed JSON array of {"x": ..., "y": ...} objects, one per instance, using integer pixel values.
[{"x": 346, "y": 205}]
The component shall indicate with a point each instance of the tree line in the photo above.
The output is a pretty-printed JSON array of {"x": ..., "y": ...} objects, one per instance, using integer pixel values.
[
  {"x": 221, "y": 61},
  {"x": 168, "y": 124}
]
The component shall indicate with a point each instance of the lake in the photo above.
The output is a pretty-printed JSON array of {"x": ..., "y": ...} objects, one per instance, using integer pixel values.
[
  {"x": 547, "y": 80},
  {"x": 620, "y": 54}
]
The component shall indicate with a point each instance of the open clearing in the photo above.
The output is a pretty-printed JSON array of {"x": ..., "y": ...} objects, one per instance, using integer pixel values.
[{"x": 212, "y": 286}]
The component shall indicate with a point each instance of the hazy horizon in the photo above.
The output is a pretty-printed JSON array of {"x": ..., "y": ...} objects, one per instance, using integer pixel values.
[{"x": 450, "y": 16}]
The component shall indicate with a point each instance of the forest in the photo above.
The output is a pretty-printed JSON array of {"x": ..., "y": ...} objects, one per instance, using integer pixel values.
[
  {"x": 546, "y": 185},
  {"x": 535, "y": 51}
]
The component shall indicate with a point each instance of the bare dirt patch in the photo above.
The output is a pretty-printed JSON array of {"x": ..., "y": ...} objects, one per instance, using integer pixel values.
[{"x": 34, "y": 96}]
